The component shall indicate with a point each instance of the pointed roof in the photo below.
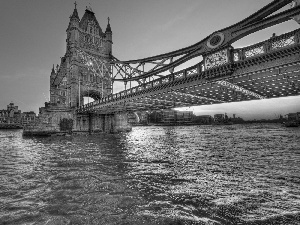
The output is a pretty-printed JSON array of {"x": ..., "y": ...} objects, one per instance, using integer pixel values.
[
  {"x": 53, "y": 71},
  {"x": 108, "y": 28},
  {"x": 75, "y": 13},
  {"x": 89, "y": 16}
]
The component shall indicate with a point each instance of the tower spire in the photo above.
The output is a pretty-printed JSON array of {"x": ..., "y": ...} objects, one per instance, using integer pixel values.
[
  {"x": 108, "y": 28},
  {"x": 75, "y": 13},
  {"x": 52, "y": 72}
]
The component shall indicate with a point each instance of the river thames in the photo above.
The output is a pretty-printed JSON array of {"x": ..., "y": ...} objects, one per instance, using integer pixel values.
[{"x": 234, "y": 174}]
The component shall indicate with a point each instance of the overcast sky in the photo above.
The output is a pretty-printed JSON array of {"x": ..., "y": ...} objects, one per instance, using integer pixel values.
[{"x": 33, "y": 34}]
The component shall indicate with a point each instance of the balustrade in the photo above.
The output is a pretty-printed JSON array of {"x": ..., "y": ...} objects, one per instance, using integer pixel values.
[{"x": 270, "y": 45}]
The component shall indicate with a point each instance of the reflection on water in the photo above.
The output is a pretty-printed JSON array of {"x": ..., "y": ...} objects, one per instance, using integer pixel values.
[{"x": 239, "y": 174}]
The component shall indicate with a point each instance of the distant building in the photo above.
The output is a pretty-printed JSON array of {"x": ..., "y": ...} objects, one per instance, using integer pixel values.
[
  {"x": 298, "y": 114},
  {"x": 237, "y": 120},
  {"x": 219, "y": 117},
  {"x": 174, "y": 116},
  {"x": 203, "y": 119},
  {"x": 293, "y": 116},
  {"x": 27, "y": 117},
  {"x": 170, "y": 116},
  {"x": 12, "y": 115}
]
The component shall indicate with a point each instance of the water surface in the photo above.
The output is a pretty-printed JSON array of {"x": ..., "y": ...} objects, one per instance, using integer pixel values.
[{"x": 236, "y": 174}]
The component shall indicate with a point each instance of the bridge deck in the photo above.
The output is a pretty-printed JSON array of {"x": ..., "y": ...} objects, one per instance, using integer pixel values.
[{"x": 267, "y": 69}]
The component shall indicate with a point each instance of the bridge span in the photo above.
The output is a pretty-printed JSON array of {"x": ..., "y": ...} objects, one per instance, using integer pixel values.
[{"x": 269, "y": 69}]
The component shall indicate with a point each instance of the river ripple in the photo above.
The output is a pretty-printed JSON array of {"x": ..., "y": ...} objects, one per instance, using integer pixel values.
[{"x": 237, "y": 174}]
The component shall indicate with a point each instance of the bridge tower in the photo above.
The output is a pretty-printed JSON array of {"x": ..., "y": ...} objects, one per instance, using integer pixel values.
[{"x": 72, "y": 79}]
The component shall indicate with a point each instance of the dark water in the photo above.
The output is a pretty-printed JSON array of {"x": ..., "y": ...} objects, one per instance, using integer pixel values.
[{"x": 239, "y": 174}]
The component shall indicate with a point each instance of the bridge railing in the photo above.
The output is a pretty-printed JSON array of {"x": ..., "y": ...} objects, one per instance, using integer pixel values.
[
  {"x": 214, "y": 60},
  {"x": 273, "y": 44},
  {"x": 196, "y": 69}
]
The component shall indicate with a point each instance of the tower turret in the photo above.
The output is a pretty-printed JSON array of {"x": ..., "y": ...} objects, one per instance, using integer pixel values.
[
  {"x": 108, "y": 34},
  {"x": 84, "y": 35},
  {"x": 52, "y": 75},
  {"x": 53, "y": 71},
  {"x": 75, "y": 16},
  {"x": 72, "y": 31}
]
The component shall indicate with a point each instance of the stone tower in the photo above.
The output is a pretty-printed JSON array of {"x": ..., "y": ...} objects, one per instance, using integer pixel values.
[{"x": 72, "y": 79}]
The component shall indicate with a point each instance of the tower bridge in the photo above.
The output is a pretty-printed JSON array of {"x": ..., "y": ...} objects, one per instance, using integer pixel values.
[{"x": 268, "y": 69}]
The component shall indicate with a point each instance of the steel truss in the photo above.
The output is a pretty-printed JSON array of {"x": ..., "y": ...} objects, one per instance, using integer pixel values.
[
  {"x": 134, "y": 70},
  {"x": 96, "y": 65}
]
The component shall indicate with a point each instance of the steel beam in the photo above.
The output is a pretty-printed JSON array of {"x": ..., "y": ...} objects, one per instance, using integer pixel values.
[
  {"x": 199, "y": 97},
  {"x": 240, "y": 89}
]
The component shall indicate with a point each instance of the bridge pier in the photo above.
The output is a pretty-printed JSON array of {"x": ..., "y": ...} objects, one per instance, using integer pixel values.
[
  {"x": 108, "y": 123},
  {"x": 53, "y": 119},
  {"x": 58, "y": 120}
]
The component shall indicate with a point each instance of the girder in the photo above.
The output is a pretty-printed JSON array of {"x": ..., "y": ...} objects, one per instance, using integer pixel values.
[
  {"x": 240, "y": 89},
  {"x": 168, "y": 101},
  {"x": 199, "y": 97},
  {"x": 217, "y": 40}
]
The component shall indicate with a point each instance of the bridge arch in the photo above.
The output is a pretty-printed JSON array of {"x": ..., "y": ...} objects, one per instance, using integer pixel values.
[{"x": 87, "y": 92}]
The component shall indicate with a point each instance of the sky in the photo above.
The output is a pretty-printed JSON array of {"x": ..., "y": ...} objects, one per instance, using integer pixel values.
[{"x": 33, "y": 38}]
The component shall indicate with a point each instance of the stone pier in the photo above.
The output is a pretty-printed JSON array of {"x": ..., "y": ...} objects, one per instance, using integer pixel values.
[
  {"x": 58, "y": 120},
  {"x": 108, "y": 123}
]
